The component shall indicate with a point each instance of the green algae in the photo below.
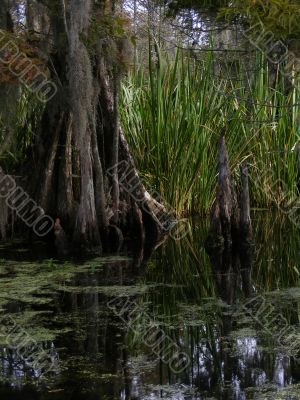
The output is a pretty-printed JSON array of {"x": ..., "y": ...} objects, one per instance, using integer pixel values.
[
  {"x": 243, "y": 333},
  {"x": 271, "y": 392},
  {"x": 192, "y": 316},
  {"x": 171, "y": 392},
  {"x": 34, "y": 283},
  {"x": 110, "y": 291},
  {"x": 142, "y": 362}
]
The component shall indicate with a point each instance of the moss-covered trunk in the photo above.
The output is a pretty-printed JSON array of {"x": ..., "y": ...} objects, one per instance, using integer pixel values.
[{"x": 81, "y": 177}]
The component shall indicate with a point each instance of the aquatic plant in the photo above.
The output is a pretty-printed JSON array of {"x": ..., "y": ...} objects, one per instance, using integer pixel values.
[{"x": 174, "y": 112}]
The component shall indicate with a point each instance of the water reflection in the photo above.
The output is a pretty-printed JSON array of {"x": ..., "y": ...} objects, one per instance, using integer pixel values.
[{"x": 197, "y": 303}]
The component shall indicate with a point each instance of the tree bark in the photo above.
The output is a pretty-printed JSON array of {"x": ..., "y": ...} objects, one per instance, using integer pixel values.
[
  {"x": 230, "y": 219},
  {"x": 89, "y": 182}
]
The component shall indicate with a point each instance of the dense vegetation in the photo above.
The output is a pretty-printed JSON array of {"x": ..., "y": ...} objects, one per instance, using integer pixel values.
[
  {"x": 173, "y": 102},
  {"x": 72, "y": 151},
  {"x": 174, "y": 116},
  {"x": 122, "y": 122}
]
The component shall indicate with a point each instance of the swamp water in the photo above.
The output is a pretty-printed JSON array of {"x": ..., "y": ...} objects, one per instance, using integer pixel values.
[{"x": 236, "y": 328}]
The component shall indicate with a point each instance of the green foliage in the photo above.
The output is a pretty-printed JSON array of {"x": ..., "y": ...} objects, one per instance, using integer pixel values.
[
  {"x": 17, "y": 135},
  {"x": 173, "y": 118},
  {"x": 281, "y": 17},
  {"x": 209, "y": 5}
]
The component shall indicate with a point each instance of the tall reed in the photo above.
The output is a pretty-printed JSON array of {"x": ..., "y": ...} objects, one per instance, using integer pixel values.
[{"x": 174, "y": 112}]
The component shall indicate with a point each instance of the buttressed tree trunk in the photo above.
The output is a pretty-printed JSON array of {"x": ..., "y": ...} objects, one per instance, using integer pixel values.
[
  {"x": 9, "y": 97},
  {"x": 85, "y": 175}
]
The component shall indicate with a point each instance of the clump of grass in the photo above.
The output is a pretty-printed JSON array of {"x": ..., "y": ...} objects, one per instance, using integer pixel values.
[{"x": 174, "y": 112}]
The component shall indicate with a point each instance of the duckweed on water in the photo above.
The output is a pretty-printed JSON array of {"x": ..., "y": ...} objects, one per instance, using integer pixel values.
[
  {"x": 32, "y": 283},
  {"x": 64, "y": 306},
  {"x": 111, "y": 291},
  {"x": 271, "y": 392}
]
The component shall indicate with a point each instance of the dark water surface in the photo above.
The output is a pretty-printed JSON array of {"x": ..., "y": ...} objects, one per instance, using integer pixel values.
[{"x": 112, "y": 326}]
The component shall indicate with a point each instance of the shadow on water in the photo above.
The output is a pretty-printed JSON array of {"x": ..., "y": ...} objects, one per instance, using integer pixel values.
[{"x": 113, "y": 326}]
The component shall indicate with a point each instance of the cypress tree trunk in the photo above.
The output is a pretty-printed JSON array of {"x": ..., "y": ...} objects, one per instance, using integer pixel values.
[
  {"x": 85, "y": 175},
  {"x": 9, "y": 97}
]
